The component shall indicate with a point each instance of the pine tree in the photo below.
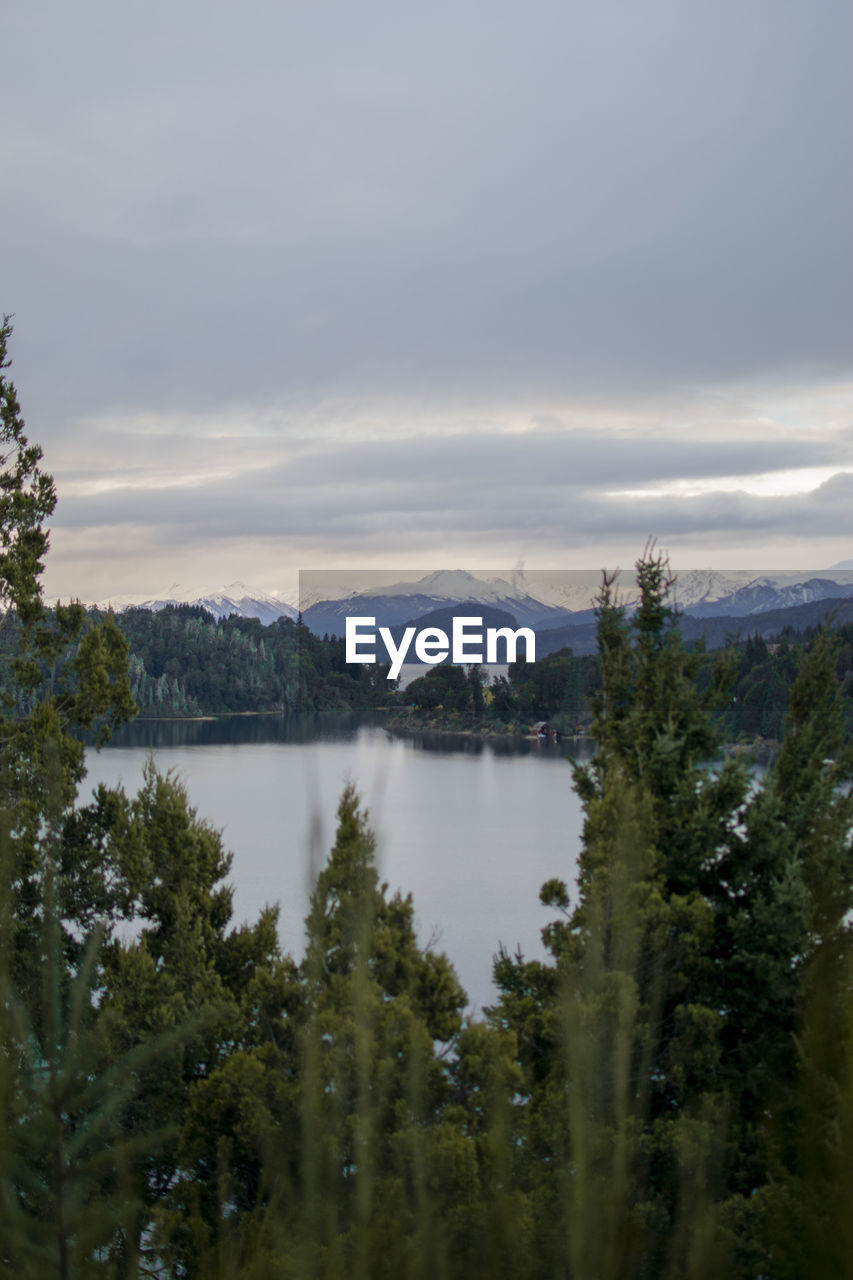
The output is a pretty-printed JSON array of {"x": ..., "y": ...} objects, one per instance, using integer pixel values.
[
  {"x": 68, "y": 1194},
  {"x": 219, "y": 991},
  {"x": 662, "y": 1039},
  {"x": 373, "y": 1086},
  {"x": 333, "y": 1138},
  {"x": 64, "y": 676},
  {"x": 41, "y": 753},
  {"x": 803, "y": 1221}
]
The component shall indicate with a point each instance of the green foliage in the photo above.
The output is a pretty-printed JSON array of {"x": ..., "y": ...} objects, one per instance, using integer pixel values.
[
  {"x": 181, "y": 662},
  {"x": 455, "y": 691},
  {"x": 669, "y": 1094},
  {"x": 41, "y": 758},
  {"x": 557, "y": 688},
  {"x": 327, "y": 1146},
  {"x": 561, "y": 688},
  {"x": 67, "y": 1185},
  {"x": 185, "y": 970},
  {"x": 184, "y": 662},
  {"x": 27, "y": 499},
  {"x": 659, "y": 1050}
]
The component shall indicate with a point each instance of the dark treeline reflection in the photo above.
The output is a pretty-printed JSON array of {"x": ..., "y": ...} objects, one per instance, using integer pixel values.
[
  {"x": 508, "y": 745},
  {"x": 157, "y": 734},
  {"x": 235, "y": 730}
]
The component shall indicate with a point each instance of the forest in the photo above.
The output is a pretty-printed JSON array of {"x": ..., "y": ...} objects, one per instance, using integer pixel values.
[
  {"x": 668, "y": 1094},
  {"x": 561, "y": 689},
  {"x": 182, "y": 662}
]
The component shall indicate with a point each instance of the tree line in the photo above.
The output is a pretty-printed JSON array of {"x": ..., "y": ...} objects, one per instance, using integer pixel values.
[
  {"x": 182, "y": 661},
  {"x": 668, "y": 1094},
  {"x": 561, "y": 688}
]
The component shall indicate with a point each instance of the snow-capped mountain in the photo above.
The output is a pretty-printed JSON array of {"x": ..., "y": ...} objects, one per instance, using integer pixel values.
[
  {"x": 546, "y": 599},
  {"x": 236, "y": 597},
  {"x": 403, "y": 602},
  {"x": 446, "y": 585},
  {"x": 763, "y": 595},
  {"x": 695, "y": 587},
  {"x": 706, "y": 592},
  {"x": 541, "y": 598},
  {"x": 576, "y": 589},
  {"x": 452, "y": 584}
]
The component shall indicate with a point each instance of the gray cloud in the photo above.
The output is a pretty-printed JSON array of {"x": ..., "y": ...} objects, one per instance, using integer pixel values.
[
  {"x": 540, "y": 457},
  {"x": 546, "y": 458},
  {"x": 212, "y": 202},
  {"x": 521, "y": 492},
  {"x": 454, "y": 210}
]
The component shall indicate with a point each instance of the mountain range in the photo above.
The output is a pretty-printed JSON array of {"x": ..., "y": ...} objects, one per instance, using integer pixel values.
[
  {"x": 236, "y": 597},
  {"x": 558, "y": 600},
  {"x": 552, "y": 601}
]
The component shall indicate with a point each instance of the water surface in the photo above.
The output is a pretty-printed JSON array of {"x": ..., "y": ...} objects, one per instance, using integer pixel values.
[{"x": 470, "y": 828}]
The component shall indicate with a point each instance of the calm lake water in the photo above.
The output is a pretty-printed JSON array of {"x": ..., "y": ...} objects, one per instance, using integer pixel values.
[{"x": 471, "y": 829}]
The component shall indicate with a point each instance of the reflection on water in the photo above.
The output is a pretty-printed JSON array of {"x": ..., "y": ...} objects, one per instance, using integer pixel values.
[
  {"x": 235, "y": 730},
  {"x": 155, "y": 735}
]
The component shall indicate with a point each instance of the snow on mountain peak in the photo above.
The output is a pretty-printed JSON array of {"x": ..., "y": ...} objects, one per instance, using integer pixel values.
[
  {"x": 235, "y": 597},
  {"x": 445, "y": 584}
]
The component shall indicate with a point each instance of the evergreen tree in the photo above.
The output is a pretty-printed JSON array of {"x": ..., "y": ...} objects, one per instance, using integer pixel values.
[
  {"x": 41, "y": 754},
  {"x": 57, "y": 1206},
  {"x": 68, "y": 1194},
  {"x": 661, "y": 1041},
  {"x": 334, "y": 1138},
  {"x": 373, "y": 1086},
  {"x": 224, "y": 990},
  {"x": 803, "y": 1221}
]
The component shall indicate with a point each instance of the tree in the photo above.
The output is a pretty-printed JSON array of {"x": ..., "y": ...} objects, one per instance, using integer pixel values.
[
  {"x": 41, "y": 754},
  {"x": 373, "y": 1085},
  {"x": 444, "y": 686},
  {"x": 67, "y": 1190},
  {"x": 216, "y": 991},
  {"x": 805, "y": 1227},
  {"x": 331, "y": 1137},
  {"x": 58, "y": 1204},
  {"x": 659, "y": 1047}
]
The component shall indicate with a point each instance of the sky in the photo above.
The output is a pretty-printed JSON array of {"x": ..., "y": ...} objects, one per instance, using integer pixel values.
[{"x": 323, "y": 284}]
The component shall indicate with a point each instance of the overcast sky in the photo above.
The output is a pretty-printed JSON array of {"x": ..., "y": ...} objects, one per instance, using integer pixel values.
[{"x": 317, "y": 284}]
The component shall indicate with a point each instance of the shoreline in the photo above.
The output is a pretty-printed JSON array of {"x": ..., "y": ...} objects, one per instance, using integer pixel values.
[{"x": 763, "y": 748}]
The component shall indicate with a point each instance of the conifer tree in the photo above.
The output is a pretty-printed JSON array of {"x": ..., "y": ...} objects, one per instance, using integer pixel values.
[
  {"x": 335, "y": 1139},
  {"x": 41, "y": 754},
  {"x": 58, "y": 1202},
  {"x": 68, "y": 1192},
  {"x": 216, "y": 990},
  {"x": 373, "y": 1087},
  {"x": 801, "y": 1223},
  {"x": 660, "y": 1045}
]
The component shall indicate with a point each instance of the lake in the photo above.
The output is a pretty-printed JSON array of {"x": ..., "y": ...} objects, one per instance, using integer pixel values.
[{"x": 470, "y": 828}]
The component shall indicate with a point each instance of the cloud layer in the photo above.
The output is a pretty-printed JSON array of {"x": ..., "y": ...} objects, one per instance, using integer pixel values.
[{"x": 578, "y": 250}]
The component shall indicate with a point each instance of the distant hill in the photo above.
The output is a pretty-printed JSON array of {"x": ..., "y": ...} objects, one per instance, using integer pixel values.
[
  {"x": 716, "y": 631},
  {"x": 394, "y": 607}
]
